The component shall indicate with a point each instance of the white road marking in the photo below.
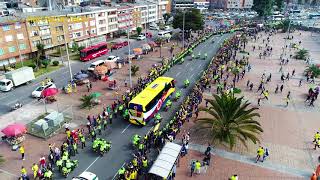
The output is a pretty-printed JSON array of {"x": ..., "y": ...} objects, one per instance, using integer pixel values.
[
  {"x": 6, "y": 172},
  {"x": 188, "y": 64},
  {"x": 91, "y": 164},
  {"x": 178, "y": 73},
  {"x": 117, "y": 172},
  {"x": 126, "y": 128},
  {"x": 192, "y": 75}
]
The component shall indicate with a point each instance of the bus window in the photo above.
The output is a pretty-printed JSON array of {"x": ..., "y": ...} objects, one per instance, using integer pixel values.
[{"x": 137, "y": 107}]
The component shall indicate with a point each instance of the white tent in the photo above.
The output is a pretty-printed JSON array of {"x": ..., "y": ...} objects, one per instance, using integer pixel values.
[{"x": 166, "y": 160}]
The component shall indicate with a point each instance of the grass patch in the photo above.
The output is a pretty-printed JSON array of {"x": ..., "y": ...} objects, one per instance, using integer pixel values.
[
  {"x": 28, "y": 62},
  {"x": 75, "y": 57},
  {"x": 50, "y": 68},
  {"x": 49, "y": 132}
]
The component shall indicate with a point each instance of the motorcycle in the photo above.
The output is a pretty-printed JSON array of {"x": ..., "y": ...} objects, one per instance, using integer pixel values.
[
  {"x": 177, "y": 96},
  {"x": 16, "y": 106}
]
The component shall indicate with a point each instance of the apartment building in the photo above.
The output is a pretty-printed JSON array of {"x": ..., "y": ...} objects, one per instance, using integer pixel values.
[
  {"x": 14, "y": 41},
  {"x": 125, "y": 18},
  {"x": 239, "y": 4},
  {"x": 182, "y": 4},
  {"x": 202, "y": 5}
]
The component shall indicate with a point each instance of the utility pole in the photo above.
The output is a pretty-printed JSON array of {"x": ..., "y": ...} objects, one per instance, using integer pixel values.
[
  {"x": 67, "y": 49},
  {"x": 129, "y": 57},
  {"x": 183, "y": 29}
]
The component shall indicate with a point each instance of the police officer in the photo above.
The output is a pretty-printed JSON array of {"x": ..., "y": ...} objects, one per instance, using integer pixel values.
[{"x": 83, "y": 141}]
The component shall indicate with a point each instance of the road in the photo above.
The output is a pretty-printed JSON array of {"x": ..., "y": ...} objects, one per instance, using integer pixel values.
[
  {"x": 61, "y": 78},
  {"x": 120, "y": 132}
]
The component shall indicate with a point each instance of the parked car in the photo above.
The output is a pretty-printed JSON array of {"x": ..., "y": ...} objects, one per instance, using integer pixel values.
[
  {"x": 38, "y": 91},
  {"x": 141, "y": 37},
  {"x": 117, "y": 45},
  {"x": 112, "y": 58},
  {"x": 86, "y": 175},
  {"x": 95, "y": 64},
  {"x": 153, "y": 27}
]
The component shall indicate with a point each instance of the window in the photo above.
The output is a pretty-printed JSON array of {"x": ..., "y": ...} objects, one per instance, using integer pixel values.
[
  {"x": 77, "y": 26},
  {"x": 6, "y": 28},
  {"x": 77, "y": 34},
  {"x": 44, "y": 31},
  {"x": 101, "y": 14},
  {"x": 34, "y": 43},
  {"x": 20, "y": 36},
  {"x": 17, "y": 25},
  {"x": 22, "y": 46},
  {"x": 102, "y": 21},
  {"x": 1, "y": 51},
  {"x": 9, "y": 38},
  {"x": 34, "y": 33},
  {"x": 59, "y": 28},
  {"x": 102, "y": 29},
  {"x": 60, "y": 38},
  {"x": 47, "y": 41},
  {"x": 12, "y": 49}
]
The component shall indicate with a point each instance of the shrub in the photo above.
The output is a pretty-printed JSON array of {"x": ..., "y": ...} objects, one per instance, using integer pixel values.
[
  {"x": 302, "y": 54},
  {"x": 55, "y": 63},
  {"x": 313, "y": 69},
  {"x": 46, "y": 62},
  {"x": 32, "y": 65}
]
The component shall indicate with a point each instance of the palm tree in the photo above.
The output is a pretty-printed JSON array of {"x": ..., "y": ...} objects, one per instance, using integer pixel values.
[
  {"x": 302, "y": 54},
  {"x": 231, "y": 120},
  {"x": 40, "y": 55},
  {"x": 86, "y": 102},
  {"x": 134, "y": 69},
  {"x": 313, "y": 69}
]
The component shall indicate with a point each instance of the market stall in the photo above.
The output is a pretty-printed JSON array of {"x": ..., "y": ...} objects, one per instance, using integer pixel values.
[{"x": 14, "y": 134}]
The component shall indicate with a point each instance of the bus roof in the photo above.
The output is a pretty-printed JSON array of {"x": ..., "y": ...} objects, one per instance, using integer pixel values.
[
  {"x": 149, "y": 93},
  {"x": 93, "y": 47}
]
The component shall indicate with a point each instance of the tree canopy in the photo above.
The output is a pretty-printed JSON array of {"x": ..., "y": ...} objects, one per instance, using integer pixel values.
[
  {"x": 193, "y": 20},
  {"x": 263, "y": 7}
]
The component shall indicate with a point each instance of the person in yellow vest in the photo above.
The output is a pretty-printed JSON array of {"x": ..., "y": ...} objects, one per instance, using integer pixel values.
[
  {"x": 316, "y": 137},
  {"x": 35, "y": 169},
  {"x": 260, "y": 153},
  {"x": 21, "y": 150},
  {"x": 234, "y": 177},
  {"x": 197, "y": 167},
  {"x": 24, "y": 173}
]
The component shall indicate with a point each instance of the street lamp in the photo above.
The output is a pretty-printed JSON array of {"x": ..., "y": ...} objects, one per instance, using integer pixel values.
[
  {"x": 129, "y": 57},
  {"x": 183, "y": 19},
  {"x": 67, "y": 50}
]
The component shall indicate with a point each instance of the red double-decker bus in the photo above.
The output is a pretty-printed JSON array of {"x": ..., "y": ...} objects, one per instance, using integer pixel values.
[{"x": 93, "y": 51}]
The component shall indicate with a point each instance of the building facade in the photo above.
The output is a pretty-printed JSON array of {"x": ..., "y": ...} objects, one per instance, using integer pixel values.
[
  {"x": 202, "y": 5},
  {"x": 14, "y": 42}
]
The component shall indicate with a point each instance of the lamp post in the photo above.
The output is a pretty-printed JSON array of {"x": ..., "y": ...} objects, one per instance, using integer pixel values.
[
  {"x": 67, "y": 50},
  {"x": 129, "y": 57},
  {"x": 183, "y": 19}
]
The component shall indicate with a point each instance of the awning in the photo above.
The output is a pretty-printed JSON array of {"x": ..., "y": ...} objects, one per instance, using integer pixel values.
[{"x": 166, "y": 160}]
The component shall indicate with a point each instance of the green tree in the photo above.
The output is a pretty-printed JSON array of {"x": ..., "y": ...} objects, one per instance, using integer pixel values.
[
  {"x": 160, "y": 41},
  {"x": 74, "y": 47},
  {"x": 86, "y": 102},
  {"x": 40, "y": 55},
  {"x": 139, "y": 30},
  {"x": 193, "y": 20},
  {"x": 263, "y": 7},
  {"x": 302, "y": 54},
  {"x": 45, "y": 62},
  {"x": 134, "y": 69},
  {"x": 166, "y": 17},
  {"x": 279, "y": 4},
  {"x": 315, "y": 70},
  {"x": 231, "y": 120},
  {"x": 284, "y": 25}
]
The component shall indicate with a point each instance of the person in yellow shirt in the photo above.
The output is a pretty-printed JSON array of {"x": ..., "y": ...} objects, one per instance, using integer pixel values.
[
  {"x": 35, "y": 169},
  {"x": 197, "y": 167},
  {"x": 23, "y": 172},
  {"x": 260, "y": 153},
  {"x": 21, "y": 150}
]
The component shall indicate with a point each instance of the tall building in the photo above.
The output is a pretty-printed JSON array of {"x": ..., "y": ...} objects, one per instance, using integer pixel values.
[
  {"x": 202, "y": 5},
  {"x": 239, "y": 4}
]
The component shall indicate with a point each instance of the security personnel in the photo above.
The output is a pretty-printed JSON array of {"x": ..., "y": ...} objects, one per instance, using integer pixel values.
[
  {"x": 35, "y": 169},
  {"x": 135, "y": 162},
  {"x": 59, "y": 164},
  {"x": 75, "y": 148},
  {"x": 145, "y": 163},
  {"x": 23, "y": 172},
  {"x": 234, "y": 177},
  {"x": 105, "y": 122},
  {"x": 93, "y": 135},
  {"x": 121, "y": 172},
  {"x": 83, "y": 141},
  {"x": 316, "y": 137},
  {"x": 48, "y": 174}
]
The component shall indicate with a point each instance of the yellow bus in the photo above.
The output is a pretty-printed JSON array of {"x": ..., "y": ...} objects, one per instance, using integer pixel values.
[{"x": 146, "y": 104}]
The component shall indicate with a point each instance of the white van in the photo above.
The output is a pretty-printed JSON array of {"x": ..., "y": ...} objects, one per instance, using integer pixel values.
[
  {"x": 95, "y": 64},
  {"x": 163, "y": 33}
]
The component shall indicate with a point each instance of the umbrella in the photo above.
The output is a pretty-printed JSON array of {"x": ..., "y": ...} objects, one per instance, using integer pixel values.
[
  {"x": 81, "y": 76},
  {"x": 49, "y": 92},
  {"x": 95, "y": 94},
  {"x": 14, "y": 129},
  {"x": 137, "y": 51}
]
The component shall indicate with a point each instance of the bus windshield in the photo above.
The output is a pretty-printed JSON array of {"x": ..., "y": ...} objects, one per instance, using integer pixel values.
[{"x": 83, "y": 54}]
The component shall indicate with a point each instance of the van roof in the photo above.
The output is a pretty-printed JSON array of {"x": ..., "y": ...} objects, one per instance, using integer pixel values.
[{"x": 97, "y": 62}]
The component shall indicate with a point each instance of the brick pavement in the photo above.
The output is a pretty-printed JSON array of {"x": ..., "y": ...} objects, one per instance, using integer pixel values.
[
  {"x": 288, "y": 132},
  {"x": 222, "y": 168}
]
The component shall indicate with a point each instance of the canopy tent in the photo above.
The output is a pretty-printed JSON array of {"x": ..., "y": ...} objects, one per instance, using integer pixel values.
[{"x": 166, "y": 160}]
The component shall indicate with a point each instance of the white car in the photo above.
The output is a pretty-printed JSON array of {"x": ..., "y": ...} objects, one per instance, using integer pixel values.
[
  {"x": 95, "y": 64},
  {"x": 38, "y": 91},
  {"x": 86, "y": 176},
  {"x": 141, "y": 37},
  {"x": 154, "y": 27},
  {"x": 112, "y": 58}
]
